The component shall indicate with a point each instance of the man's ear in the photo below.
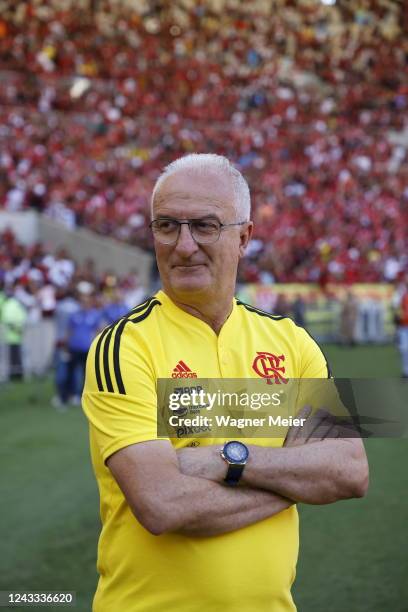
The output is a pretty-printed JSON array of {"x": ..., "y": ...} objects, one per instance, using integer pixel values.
[{"x": 245, "y": 237}]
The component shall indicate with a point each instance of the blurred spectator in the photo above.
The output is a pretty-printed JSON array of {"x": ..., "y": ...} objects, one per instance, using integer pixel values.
[
  {"x": 348, "y": 319},
  {"x": 282, "y": 306},
  {"x": 402, "y": 331},
  {"x": 133, "y": 292},
  {"x": 60, "y": 268},
  {"x": 2, "y": 295},
  {"x": 67, "y": 305},
  {"x": 13, "y": 317},
  {"x": 26, "y": 292},
  {"x": 47, "y": 300},
  {"x": 83, "y": 326},
  {"x": 370, "y": 321},
  {"x": 115, "y": 308},
  {"x": 299, "y": 311}
]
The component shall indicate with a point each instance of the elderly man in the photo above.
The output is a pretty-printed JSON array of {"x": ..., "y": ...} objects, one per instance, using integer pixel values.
[{"x": 220, "y": 547}]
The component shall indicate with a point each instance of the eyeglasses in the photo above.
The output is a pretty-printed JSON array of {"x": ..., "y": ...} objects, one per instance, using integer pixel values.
[{"x": 203, "y": 231}]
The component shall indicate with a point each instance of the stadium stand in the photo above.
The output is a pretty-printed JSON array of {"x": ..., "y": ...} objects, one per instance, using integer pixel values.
[
  {"x": 306, "y": 99},
  {"x": 38, "y": 281},
  {"x": 36, "y": 275}
]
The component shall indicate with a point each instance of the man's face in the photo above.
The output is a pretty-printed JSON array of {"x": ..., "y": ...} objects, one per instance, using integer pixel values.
[{"x": 188, "y": 268}]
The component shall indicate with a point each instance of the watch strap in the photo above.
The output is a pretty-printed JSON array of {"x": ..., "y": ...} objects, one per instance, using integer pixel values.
[{"x": 234, "y": 473}]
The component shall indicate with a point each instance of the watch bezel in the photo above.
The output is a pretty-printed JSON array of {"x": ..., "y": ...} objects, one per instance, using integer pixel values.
[{"x": 229, "y": 459}]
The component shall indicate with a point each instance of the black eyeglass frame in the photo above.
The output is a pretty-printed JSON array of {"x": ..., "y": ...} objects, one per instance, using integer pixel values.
[{"x": 189, "y": 222}]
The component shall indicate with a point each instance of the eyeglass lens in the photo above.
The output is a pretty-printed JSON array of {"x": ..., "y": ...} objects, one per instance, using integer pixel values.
[{"x": 202, "y": 230}]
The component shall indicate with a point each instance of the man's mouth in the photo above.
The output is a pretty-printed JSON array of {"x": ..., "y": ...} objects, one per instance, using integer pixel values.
[{"x": 187, "y": 266}]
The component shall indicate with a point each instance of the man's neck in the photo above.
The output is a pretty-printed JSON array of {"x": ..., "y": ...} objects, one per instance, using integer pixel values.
[{"x": 213, "y": 312}]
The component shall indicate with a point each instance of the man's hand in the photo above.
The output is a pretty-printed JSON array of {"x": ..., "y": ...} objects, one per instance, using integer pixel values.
[
  {"x": 206, "y": 461},
  {"x": 203, "y": 462},
  {"x": 316, "y": 465},
  {"x": 318, "y": 427}
]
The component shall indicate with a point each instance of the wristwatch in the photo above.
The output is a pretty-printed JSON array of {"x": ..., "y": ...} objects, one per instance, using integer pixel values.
[{"x": 235, "y": 454}]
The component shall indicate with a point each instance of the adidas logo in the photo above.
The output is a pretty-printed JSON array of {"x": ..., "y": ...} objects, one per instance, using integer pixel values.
[{"x": 183, "y": 371}]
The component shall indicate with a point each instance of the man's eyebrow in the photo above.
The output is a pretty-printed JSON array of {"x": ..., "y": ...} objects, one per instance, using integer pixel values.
[{"x": 208, "y": 218}]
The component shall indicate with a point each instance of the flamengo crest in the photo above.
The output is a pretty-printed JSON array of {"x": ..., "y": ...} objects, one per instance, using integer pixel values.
[{"x": 268, "y": 366}]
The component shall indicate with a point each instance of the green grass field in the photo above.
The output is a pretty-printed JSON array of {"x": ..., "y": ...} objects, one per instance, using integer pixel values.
[{"x": 353, "y": 554}]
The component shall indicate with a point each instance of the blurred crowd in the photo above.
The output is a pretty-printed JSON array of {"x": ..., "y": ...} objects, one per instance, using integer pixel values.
[
  {"x": 51, "y": 308},
  {"x": 38, "y": 278},
  {"x": 308, "y": 98},
  {"x": 55, "y": 307}
]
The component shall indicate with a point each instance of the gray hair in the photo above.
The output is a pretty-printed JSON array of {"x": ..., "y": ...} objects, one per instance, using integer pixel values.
[{"x": 218, "y": 163}]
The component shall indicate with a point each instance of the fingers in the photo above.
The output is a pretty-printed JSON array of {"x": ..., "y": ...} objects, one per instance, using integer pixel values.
[
  {"x": 321, "y": 426},
  {"x": 294, "y": 434},
  {"x": 317, "y": 426}
]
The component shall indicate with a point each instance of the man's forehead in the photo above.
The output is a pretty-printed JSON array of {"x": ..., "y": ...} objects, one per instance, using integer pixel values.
[{"x": 203, "y": 186}]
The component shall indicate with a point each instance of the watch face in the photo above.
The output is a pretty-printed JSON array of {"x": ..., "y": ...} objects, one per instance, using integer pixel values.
[{"x": 236, "y": 452}]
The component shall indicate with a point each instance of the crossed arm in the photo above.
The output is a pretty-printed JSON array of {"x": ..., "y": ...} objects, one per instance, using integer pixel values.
[
  {"x": 182, "y": 491},
  {"x": 311, "y": 467},
  {"x": 165, "y": 500}
]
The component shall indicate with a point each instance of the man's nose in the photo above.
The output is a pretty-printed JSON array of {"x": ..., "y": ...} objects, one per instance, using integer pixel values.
[{"x": 185, "y": 245}]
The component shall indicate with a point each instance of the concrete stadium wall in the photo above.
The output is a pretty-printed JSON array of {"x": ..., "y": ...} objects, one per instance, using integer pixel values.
[
  {"x": 109, "y": 254},
  {"x": 23, "y": 224}
]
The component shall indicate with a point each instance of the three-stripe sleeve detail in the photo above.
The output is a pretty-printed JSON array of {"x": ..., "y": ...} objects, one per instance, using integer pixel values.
[
  {"x": 112, "y": 334},
  {"x": 116, "y": 344},
  {"x": 109, "y": 385},
  {"x": 97, "y": 358}
]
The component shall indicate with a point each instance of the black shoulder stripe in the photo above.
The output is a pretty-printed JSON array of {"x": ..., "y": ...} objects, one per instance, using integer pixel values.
[
  {"x": 97, "y": 358},
  {"x": 145, "y": 314},
  {"x": 262, "y": 313},
  {"x": 118, "y": 334},
  {"x": 106, "y": 335},
  {"x": 109, "y": 386},
  {"x": 139, "y": 307}
]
